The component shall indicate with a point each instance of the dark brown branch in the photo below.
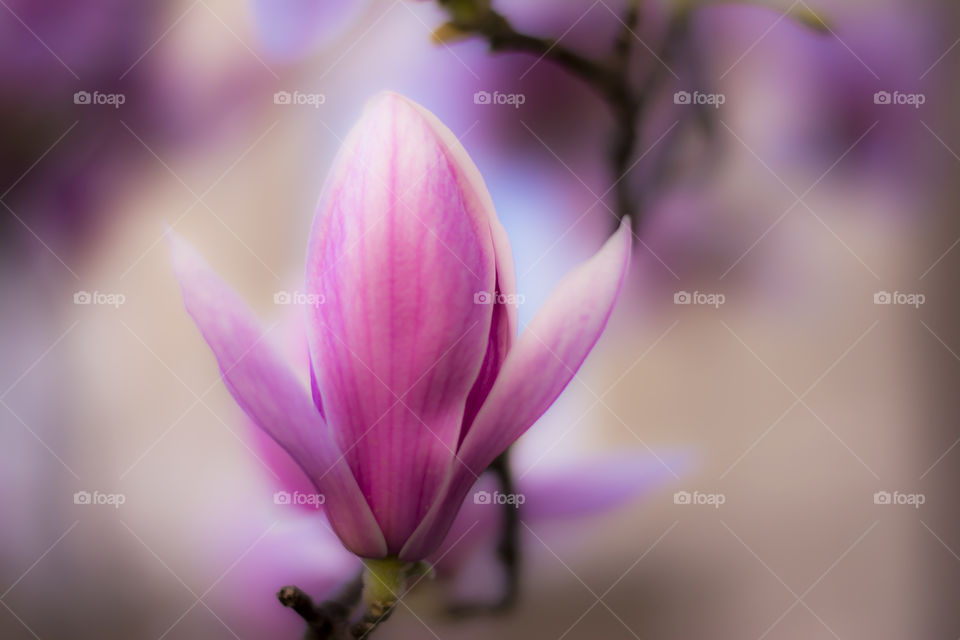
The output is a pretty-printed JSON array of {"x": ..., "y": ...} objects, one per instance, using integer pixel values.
[
  {"x": 626, "y": 106},
  {"x": 508, "y": 550},
  {"x": 609, "y": 78},
  {"x": 328, "y": 620},
  {"x": 501, "y": 36}
]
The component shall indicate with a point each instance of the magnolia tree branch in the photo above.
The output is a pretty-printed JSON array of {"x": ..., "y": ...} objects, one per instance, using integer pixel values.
[
  {"x": 509, "y": 548},
  {"x": 377, "y": 590},
  {"x": 609, "y": 77},
  {"x": 329, "y": 620}
]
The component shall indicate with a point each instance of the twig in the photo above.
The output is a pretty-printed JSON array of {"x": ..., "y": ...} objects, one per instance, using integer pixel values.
[
  {"x": 328, "y": 620},
  {"x": 508, "y": 550},
  {"x": 609, "y": 78},
  {"x": 626, "y": 110}
]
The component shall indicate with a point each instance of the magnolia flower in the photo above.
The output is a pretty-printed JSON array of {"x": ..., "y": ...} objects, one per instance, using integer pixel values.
[
  {"x": 554, "y": 492},
  {"x": 418, "y": 380}
]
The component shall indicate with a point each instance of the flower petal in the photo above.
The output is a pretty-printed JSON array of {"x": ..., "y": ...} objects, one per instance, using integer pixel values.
[
  {"x": 541, "y": 364},
  {"x": 401, "y": 243},
  {"x": 270, "y": 393},
  {"x": 501, "y": 339},
  {"x": 596, "y": 485},
  {"x": 503, "y": 329},
  {"x": 472, "y": 183}
]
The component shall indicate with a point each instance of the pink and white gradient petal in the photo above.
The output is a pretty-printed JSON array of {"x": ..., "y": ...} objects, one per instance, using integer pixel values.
[
  {"x": 541, "y": 364},
  {"x": 397, "y": 253},
  {"x": 270, "y": 393}
]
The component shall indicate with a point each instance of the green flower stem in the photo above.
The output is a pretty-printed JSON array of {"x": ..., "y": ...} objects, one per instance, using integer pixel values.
[{"x": 384, "y": 581}]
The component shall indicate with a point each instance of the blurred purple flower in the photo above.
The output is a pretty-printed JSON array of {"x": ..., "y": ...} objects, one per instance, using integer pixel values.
[
  {"x": 818, "y": 91},
  {"x": 414, "y": 280},
  {"x": 62, "y": 157}
]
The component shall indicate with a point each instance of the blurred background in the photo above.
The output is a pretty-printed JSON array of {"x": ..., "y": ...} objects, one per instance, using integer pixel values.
[{"x": 786, "y": 350}]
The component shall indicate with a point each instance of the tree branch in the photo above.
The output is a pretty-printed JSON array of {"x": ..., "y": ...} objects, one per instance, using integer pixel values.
[
  {"x": 329, "y": 620},
  {"x": 609, "y": 78}
]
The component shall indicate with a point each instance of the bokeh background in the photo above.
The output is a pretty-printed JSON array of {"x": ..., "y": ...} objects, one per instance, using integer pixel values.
[{"x": 796, "y": 400}]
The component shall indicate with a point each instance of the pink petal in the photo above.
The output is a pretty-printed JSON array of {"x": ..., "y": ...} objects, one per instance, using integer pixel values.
[
  {"x": 267, "y": 389},
  {"x": 286, "y": 473},
  {"x": 537, "y": 369},
  {"x": 596, "y": 485},
  {"x": 401, "y": 243},
  {"x": 503, "y": 330},
  {"x": 501, "y": 339}
]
